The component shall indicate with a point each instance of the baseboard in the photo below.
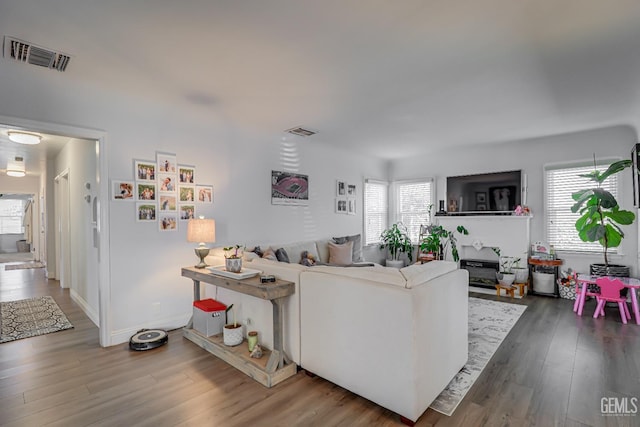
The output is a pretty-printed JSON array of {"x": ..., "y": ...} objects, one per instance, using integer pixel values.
[
  {"x": 88, "y": 310},
  {"x": 167, "y": 324}
]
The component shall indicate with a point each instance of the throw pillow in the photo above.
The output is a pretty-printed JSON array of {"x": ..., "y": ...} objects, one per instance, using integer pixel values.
[
  {"x": 357, "y": 245},
  {"x": 269, "y": 254},
  {"x": 282, "y": 255},
  {"x": 341, "y": 254},
  {"x": 258, "y": 251}
]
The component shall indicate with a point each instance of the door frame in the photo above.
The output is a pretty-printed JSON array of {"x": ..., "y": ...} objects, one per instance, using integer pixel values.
[
  {"x": 104, "y": 274},
  {"x": 62, "y": 229}
]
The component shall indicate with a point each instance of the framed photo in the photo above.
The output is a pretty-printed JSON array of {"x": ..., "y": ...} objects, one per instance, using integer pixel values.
[
  {"x": 351, "y": 206},
  {"x": 145, "y": 191},
  {"x": 204, "y": 193},
  {"x": 341, "y": 188},
  {"x": 145, "y": 212},
  {"x": 502, "y": 198},
  {"x": 341, "y": 206},
  {"x": 481, "y": 197},
  {"x": 186, "y": 174},
  {"x": 168, "y": 222},
  {"x": 187, "y": 212},
  {"x": 168, "y": 203},
  {"x": 144, "y": 170},
  {"x": 186, "y": 193},
  {"x": 166, "y": 162},
  {"x": 351, "y": 190},
  {"x": 289, "y": 188},
  {"x": 167, "y": 182},
  {"x": 122, "y": 190},
  {"x": 481, "y": 206}
]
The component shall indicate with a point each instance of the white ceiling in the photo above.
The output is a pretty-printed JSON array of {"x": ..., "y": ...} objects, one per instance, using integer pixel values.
[{"x": 393, "y": 78}]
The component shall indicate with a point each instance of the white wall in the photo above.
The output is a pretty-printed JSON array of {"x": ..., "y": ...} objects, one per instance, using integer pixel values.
[
  {"x": 530, "y": 156},
  {"x": 146, "y": 289}
]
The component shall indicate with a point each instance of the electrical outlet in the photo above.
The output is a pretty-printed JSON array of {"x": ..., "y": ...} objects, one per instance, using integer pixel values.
[{"x": 247, "y": 321}]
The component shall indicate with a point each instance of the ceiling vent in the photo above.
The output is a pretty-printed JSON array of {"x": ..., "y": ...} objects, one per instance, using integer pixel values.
[
  {"x": 300, "y": 131},
  {"x": 22, "y": 51}
]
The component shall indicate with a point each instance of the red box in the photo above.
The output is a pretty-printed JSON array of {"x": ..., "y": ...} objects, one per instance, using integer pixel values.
[{"x": 209, "y": 316}]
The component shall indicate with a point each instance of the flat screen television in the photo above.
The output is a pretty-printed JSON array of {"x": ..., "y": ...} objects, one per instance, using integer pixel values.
[{"x": 487, "y": 193}]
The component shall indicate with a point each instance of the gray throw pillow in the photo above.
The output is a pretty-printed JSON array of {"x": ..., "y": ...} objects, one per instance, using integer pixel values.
[
  {"x": 357, "y": 245},
  {"x": 282, "y": 255}
]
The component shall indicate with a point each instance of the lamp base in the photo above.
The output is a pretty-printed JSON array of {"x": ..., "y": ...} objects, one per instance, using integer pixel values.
[{"x": 202, "y": 253}]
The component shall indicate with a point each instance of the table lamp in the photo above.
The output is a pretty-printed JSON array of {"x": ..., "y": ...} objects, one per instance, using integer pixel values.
[{"x": 201, "y": 231}]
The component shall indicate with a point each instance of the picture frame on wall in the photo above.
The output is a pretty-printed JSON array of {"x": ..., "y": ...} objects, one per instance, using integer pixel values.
[
  {"x": 481, "y": 197},
  {"x": 341, "y": 205},
  {"x": 187, "y": 212},
  {"x": 145, "y": 191},
  {"x": 204, "y": 193},
  {"x": 144, "y": 170},
  {"x": 186, "y": 174},
  {"x": 166, "y": 162},
  {"x": 351, "y": 190},
  {"x": 122, "y": 190},
  {"x": 351, "y": 206},
  {"x": 289, "y": 188},
  {"x": 168, "y": 203},
  {"x": 167, "y": 182},
  {"x": 187, "y": 193},
  {"x": 341, "y": 188},
  {"x": 146, "y": 212},
  {"x": 168, "y": 221}
]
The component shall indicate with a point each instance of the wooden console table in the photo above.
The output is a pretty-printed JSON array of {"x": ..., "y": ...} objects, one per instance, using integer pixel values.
[{"x": 274, "y": 366}]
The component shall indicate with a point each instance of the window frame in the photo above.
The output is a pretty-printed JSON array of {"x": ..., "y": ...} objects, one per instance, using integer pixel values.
[
  {"x": 394, "y": 201},
  {"x": 365, "y": 210},
  {"x": 22, "y": 207}
]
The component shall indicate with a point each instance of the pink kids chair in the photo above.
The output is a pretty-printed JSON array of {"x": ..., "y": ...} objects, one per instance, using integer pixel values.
[{"x": 610, "y": 291}]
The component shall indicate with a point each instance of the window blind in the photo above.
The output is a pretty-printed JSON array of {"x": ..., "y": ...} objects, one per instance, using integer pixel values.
[
  {"x": 560, "y": 183},
  {"x": 11, "y": 211},
  {"x": 414, "y": 199},
  {"x": 376, "y": 209}
]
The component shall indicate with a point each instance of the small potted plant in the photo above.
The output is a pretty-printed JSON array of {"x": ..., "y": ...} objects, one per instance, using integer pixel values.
[
  {"x": 233, "y": 258},
  {"x": 396, "y": 240},
  {"x": 506, "y": 275},
  {"x": 232, "y": 332}
]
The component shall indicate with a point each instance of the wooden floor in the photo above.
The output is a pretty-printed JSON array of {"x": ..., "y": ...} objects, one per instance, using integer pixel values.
[{"x": 552, "y": 370}]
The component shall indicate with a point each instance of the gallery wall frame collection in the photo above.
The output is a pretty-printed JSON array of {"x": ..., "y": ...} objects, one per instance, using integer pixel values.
[
  {"x": 163, "y": 190},
  {"x": 345, "y": 198}
]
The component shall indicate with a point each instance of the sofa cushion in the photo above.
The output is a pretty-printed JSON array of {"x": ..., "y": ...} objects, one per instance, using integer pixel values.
[
  {"x": 376, "y": 273},
  {"x": 282, "y": 255},
  {"x": 294, "y": 250},
  {"x": 323, "y": 250},
  {"x": 417, "y": 274},
  {"x": 357, "y": 245},
  {"x": 341, "y": 254},
  {"x": 269, "y": 254}
]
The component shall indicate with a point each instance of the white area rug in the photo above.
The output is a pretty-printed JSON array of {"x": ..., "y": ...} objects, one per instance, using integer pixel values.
[{"x": 489, "y": 323}]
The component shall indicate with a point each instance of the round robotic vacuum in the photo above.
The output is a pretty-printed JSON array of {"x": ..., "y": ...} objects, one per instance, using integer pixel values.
[{"x": 147, "y": 339}]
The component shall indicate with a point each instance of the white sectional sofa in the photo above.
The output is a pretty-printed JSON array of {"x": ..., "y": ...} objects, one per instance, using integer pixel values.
[{"x": 395, "y": 337}]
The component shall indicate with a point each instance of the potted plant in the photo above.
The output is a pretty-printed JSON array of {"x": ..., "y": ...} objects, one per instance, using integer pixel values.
[
  {"x": 601, "y": 217},
  {"x": 439, "y": 239},
  {"x": 233, "y": 258},
  {"x": 508, "y": 264},
  {"x": 396, "y": 240},
  {"x": 232, "y": 332}
]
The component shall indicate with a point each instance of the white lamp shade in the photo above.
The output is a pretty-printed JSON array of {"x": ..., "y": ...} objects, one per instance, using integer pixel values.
[
  {"x": 24, "y": 138},
  {"x": 201, "y": 230}
]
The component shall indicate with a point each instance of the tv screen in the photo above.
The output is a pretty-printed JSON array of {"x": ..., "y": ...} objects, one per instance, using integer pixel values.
[{"x": 498, "y": 192}]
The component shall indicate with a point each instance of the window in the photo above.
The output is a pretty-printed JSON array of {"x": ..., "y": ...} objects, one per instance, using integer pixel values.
[
  {"x": 11, "y": 211},
  {"x": 560, "y": 183},
  {"x": 413, "y": 199},
  {"x": 376, "y": 209}
]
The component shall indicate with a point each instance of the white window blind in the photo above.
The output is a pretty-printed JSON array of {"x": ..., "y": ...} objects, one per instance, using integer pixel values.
[
  {"x": 561, "y": 182},
  {"x": 413, "y": 200},
  {"x": 11, "y": 212},
  {"x": 376, "y": 209}
]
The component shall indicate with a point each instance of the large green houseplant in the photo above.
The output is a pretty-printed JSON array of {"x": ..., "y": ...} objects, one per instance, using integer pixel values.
[
  {"x": 396, "y": 240},
  {"x": 439, "y": 239},
  {"x": 600, "y": 215}
]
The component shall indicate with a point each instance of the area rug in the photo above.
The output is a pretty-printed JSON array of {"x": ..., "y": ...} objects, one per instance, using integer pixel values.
[
  {"x": 489, "y": 323},
  {"x": 30, "y": 317},
  {"x": 23, "y": 266}
]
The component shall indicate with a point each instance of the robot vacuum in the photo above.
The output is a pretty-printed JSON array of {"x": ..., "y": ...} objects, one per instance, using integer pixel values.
[{"x": 147, "y": 339}]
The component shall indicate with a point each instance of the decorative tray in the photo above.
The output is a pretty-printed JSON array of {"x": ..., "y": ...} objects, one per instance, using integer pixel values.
[{"x": 245, "y": 273}]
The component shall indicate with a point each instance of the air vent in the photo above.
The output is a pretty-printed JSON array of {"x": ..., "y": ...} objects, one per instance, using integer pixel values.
[
  {"x": 300, "y": 131},
  {"x": 22, "y": 51}
]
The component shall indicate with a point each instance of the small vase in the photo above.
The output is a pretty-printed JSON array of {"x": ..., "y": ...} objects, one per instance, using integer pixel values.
[
  {"x": 232, "y": 334},
  {"x": 233, "y": 265},
  {"x": 252, "y": 340}
]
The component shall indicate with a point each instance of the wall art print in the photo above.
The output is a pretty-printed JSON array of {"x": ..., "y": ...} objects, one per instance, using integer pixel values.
[
  {"x": 204, "y": 193},
  {"x": 290, "y": 189},
  {"x": 122, "y": 190},
  {"x": 146, "y": 212}
]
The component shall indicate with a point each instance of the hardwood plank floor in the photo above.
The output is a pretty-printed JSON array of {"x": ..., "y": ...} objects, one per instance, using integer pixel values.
[{"x": 551, "y": 370}]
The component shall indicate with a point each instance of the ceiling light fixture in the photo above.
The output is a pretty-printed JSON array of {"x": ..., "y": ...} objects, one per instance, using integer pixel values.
[
  {"x": 16, "y": 168},
  {"x": 24, "y": 138}
]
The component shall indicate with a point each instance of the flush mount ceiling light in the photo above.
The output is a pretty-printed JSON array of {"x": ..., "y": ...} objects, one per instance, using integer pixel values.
[
  {"x": 24, "y": 138},
  {"x": 16, "y": 168}
]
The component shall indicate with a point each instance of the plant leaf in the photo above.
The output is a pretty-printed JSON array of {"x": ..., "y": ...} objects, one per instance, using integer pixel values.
[
  {"x": 621, "y": 217},
  {"x": 613, "y": 237}
]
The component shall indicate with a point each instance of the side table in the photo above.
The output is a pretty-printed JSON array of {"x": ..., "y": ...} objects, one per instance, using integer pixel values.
[
  {"x": 274, "y": 366},
  {"x": 552, "y": 263}
]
